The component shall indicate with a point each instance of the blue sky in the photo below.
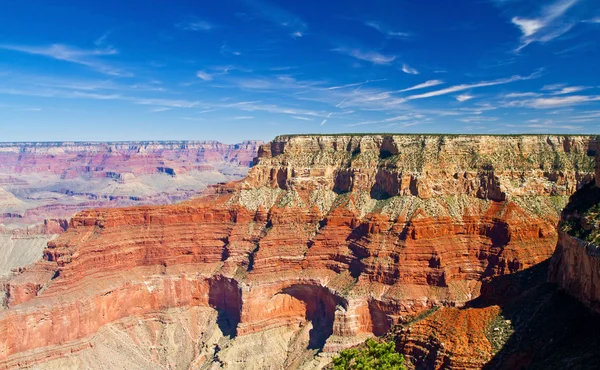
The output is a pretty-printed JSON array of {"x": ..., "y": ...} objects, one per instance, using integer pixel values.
[{"x": 251, "y": 69}]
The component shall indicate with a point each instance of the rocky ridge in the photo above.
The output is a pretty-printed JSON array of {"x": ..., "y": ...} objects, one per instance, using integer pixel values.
[{"x": 329, "y": 240}]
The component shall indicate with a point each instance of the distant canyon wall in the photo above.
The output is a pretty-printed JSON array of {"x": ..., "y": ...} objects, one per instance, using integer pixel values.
[{"x": 42, "y": 185}]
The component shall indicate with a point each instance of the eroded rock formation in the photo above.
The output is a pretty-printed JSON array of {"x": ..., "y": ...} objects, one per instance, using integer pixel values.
[{"x": 329, "y": 240}]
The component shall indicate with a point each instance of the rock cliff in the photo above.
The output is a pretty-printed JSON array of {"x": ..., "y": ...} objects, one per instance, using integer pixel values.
[
  {"x": 329, "y": 240},
  {"x": 576, "y": 261}
]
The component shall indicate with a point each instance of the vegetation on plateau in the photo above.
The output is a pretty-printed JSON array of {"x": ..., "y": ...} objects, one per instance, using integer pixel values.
[
  {"x": 581, "y": 217},
  {"x": 374, "y": 356}
]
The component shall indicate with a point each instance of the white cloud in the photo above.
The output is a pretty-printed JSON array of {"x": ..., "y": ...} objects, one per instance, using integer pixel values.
[
  {"x": 547, "y": 26},
  {"x": 520, "y": 95},
  {"x": 570, "y": 90},
  {"x": 369, "y": 56},
  {"x": 528, "y": 26},
  {"x": 325, "y": 120},
  {"x": 464, "y": 87},
  {"x": 242, "y": 117},
  {"x": 204, "y": 76},
  {"x": 86, "y": 57},
  {"x": 555, "y": 102},
  {"x": 464, "y": 97},
  {"x": 302, "y": 118},
  {"x": 407, "y": 69},
  {"x": 423, "y": 85}
]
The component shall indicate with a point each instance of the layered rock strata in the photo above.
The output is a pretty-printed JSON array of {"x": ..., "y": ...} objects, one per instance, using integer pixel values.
[
  {"x": 330, "y": 239},
  {"x": 41, "y": 182}
]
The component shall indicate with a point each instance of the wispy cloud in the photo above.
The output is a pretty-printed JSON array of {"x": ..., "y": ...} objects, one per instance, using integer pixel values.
[
  {"x": 554, "y": 102},
  {"x": 408, "y": 69},
  {"x": 100, "y": 41},
  {"x": 171, "y": 103},
  {"x": 280, "y": 17},
  {"x": 464, "y": 97},
  {"x": 562, "y": 89},
  {"x": 520, "y": 95},
  {"x": 369, "y": 56},
  {"x": 302, "y": 118},
  {"x": 547, "y": 26},
  {"x": 160, "y": 109},
  {"x": 355, "y": 84},
  {"x": 195, "y": 24},
  {"x": 241, "y": 117},
  {"x": 86, "y": 57},
  {"x": 227, "y": 50},
  {"x": 423, "y": 85},
  {"x": 463, "y": 87},
  {"x": 325, "y": 120},
  {"x": 54, "y": 93},
  {"x": 203, "y": 75},
  {"x": 592, "y": 20},
  {"x": 386, "y": 30}
]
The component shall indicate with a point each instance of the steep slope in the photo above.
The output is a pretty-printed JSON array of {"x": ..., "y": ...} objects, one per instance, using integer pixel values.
[{"x": 329, "y": 240}]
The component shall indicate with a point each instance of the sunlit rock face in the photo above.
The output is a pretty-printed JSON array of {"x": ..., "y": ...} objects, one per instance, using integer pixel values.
[{"x": 327, "y": 241}]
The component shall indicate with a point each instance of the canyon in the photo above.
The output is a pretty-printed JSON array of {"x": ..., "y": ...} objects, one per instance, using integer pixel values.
[
  {"x": 329, "y": 240},
  {"x": 42, "y": 185}
]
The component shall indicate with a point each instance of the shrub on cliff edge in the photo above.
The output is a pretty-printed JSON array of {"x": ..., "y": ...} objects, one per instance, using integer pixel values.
[{"x": 374, "y": 356}]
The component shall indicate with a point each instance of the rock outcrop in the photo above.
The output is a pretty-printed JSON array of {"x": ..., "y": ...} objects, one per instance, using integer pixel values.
[{"x": 329, "y": 240}]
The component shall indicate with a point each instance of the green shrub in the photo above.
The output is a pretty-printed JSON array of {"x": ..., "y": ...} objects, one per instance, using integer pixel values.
[{"x": 374, "y": 356}]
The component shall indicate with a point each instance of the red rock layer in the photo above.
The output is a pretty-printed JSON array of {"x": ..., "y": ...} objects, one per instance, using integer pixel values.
[
  {"x": 276, "y": 251},
  {"x": 450, "y": 338}
]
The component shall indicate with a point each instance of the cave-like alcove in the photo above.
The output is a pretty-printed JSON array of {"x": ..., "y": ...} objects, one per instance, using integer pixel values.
[
  {"x": 225, "y": 296},
  {"x": 321, "y": 304}
]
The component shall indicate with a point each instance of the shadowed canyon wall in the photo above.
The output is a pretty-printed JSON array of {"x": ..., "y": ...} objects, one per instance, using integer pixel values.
[
  {"x": 329, "y": 240},
  {"x": 576, "y": 261}
]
